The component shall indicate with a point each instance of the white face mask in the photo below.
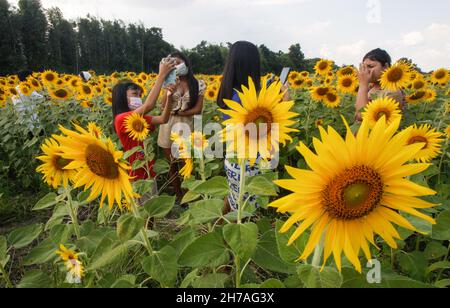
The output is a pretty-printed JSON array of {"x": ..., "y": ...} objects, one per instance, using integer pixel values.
[
  {"x": 134, "y": 103},
  {"x": 182, "y": 69}
]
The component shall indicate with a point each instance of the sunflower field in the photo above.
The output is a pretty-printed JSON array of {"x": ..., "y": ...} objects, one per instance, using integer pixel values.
[{"x": 350, "y": 205}]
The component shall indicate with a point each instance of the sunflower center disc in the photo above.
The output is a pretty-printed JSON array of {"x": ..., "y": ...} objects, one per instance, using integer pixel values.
[
  {"x": 323, "y": 66},
  {"x": 61, "y": 163},
  {"x": 382, "y": 113},
  {"x": 418, "y": 139},
  {"x": 101, "y": 162},
  {"x": 353, "y": 194},
  {"x": 440, "y": 75},
  {"x": 395, "y": 75},
  {"x": 138, "y": 126},
  {"x": 322, "y": 91},
  {"x": 347, "y": 82}
]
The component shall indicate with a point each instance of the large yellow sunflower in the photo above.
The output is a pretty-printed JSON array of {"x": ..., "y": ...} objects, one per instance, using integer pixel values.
[
  {"x": 137, "y": 127},
  {"x": 267, "y": 109},
  {"x": 354, "y": 191},
  {"x": 430, "y": 140},
  {"x": 397, "y": 77},
  {"x": 53, "y": 165},
  {"x": 382, "y": 107},
  {"x": 99, "y": 166}
]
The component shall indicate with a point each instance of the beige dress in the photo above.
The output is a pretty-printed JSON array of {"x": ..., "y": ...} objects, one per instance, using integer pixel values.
[{"x": 179, "y": 102}]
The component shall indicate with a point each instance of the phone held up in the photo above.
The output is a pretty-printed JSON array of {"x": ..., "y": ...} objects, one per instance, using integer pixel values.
[
  {"x": 171, "y": 79},
  {"x": 283, "y": 77}
]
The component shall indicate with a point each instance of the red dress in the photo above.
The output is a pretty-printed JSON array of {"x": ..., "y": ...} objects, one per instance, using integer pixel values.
[{"x": 129, "y": 144}]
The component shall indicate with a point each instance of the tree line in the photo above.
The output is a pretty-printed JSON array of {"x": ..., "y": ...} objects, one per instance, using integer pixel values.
[{"x": 37, "y": 39}]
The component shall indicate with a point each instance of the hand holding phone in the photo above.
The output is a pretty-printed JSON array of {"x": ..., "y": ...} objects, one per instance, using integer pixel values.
[{"x": 285, "y": 75}]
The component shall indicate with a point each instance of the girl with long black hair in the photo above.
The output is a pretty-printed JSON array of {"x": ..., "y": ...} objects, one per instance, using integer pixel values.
[{"x": 185, "y": 103}]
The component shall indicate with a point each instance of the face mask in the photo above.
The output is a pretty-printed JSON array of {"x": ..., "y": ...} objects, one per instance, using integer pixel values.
[
  {"x": 182, "y": 69},
  {"x": 134, "y": 103}
]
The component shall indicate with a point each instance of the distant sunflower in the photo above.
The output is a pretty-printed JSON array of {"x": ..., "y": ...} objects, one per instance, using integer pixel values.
[
  {"x": 447, "y": 131},
  {"x": 332, "y": 99},
  {"x": 319, "y": 93},
  {"x": 85, "y": 91},
  {"x": 99, "y": 166},
  {"x": 382, "y": 107},
  {"x": 430, "y": 95},
  {"x": 211, "y": 94},
  {"x": 298, "y": 83},
  {"x": 36, "y": 85},
  {"x": 25, "y": 88},
  {"x": 49, "y": 77},
  {"x": 53, "y": 165},
  {"x": 108, "y": 99},
  {"x": 347, "y": 71},
  {"x": 323, "y": 67},
  {"x": 440, "y": 76},
  {"x": 347, "y": 84},
  {"x": 430, "y": 139},
  {"x": 417, "y": 97},
  {"x": 61, "y": 94},
  {"x": 356, "y": 189},
  {"x": 137, "y": 127},
  {"x": 418, "y": 84},
  {"x": 396, "y": 77},
  {"x": 12, "y": 92},
  {"x": 73, "y": 264}
]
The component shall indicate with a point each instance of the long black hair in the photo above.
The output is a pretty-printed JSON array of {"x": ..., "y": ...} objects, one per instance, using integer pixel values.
[
  {"x": 192, "y": 81},
  {"x": 243, "y": 61},
  {"x": 120, "y": 99},
  {"x": 379, "y": 55}
]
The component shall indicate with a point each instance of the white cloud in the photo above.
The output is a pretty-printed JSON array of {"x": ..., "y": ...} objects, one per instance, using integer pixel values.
[
  {"x": 413, "y": 38},
  {"x": 429, "y": 48}
]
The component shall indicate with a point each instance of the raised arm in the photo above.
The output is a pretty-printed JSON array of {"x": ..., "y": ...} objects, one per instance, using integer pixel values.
[
  {"x": 165, "y": 116},
  {"x": 363, "y": 98},
  {"x": 164, "y": 69}
]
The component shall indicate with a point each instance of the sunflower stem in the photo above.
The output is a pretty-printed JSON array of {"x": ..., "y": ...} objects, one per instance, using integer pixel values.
[
  {"x": 5, "y": 276},
  {"x": 143, "y": 232},
  {"x": 73, "y": 214},
  {"x": 318, "y": 253},
  {"x": 243, "y": 165}
]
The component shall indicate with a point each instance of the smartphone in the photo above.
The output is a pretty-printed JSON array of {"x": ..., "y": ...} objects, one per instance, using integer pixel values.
[
  {"x": 285, "y": 75},
  {"x": 171, "y": 79}
]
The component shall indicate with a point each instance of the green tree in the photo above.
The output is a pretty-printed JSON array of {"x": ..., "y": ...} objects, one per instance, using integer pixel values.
[
  {"x": 33, "y": 33},
  {"x": 11, "y": 57}
]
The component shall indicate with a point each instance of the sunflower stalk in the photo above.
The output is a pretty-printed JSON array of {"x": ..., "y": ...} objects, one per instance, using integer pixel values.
[
  {"x": 143, "y": 231},
  {"x": 73, "y": 213},
  {"x": 5, "y": 276},
  {"x": 237, "y": 260},
  {"x": 317, "y": 257}
]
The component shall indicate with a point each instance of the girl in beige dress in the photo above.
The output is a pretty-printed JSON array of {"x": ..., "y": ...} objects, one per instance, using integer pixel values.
[{"x": 186, "y": 102}]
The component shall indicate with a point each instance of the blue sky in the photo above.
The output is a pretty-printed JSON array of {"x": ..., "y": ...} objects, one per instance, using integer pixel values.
[{"x": 342, "y": 30}]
